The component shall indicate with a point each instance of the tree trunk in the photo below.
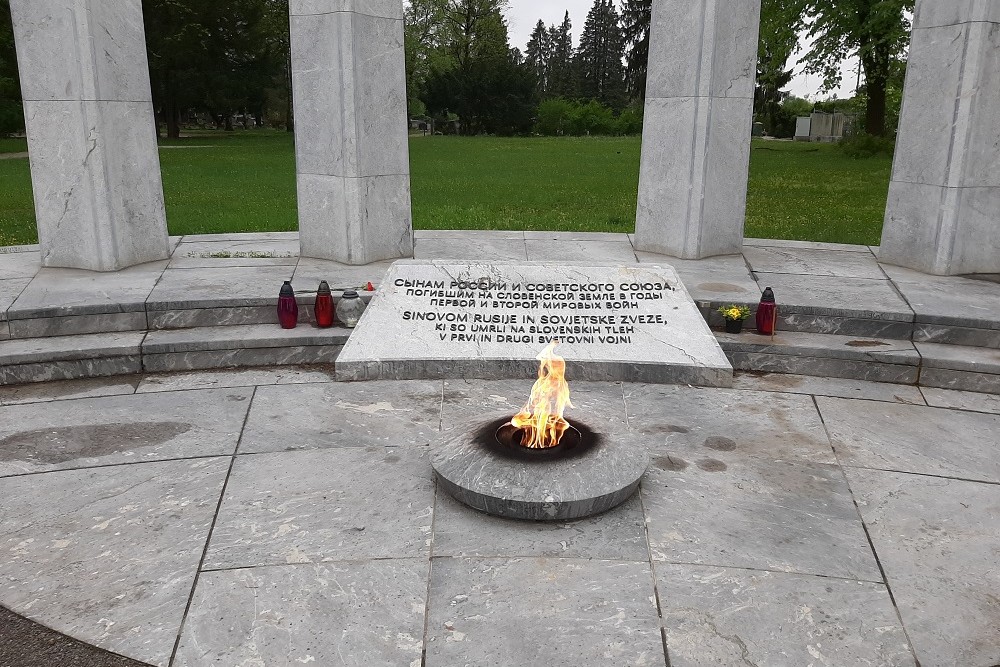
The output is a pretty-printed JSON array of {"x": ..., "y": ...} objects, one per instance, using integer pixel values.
[
  {"x": 290, "y": 109},
  {"x": 173, "y": 120},
  {"x": 876, "y": 80}
]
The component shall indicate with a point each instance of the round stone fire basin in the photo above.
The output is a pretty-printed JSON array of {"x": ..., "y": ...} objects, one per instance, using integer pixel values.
[{"x": 596, "y": 473}]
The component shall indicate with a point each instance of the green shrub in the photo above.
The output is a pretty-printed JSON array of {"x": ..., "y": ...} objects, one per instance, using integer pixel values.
[
  {"x": 560, "y": 116},
  {"x": 554, "y": 117},
  {"x": 860, "y": 146}
]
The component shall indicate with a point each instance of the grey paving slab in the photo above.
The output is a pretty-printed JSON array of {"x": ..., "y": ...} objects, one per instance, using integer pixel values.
[
  {"x": 799, "y": 344},
  {"x": 53, "y": 371},
  {"x": 485, "y": 249},
  {"x": 724, "y": 616},
  {"x": 542, "y": 611},
  {"x": 938, "y": 542},
  {"x": 619, "y": 534},
  {"x": 242, "y": 237},
  {"x": 690, "y": 424},
  {"x": 468, "y": 235},
  {"x": 292, "y": 355},
  {"x": 68, "y": 389},
  {"x": 837, "y": 296},
  {"x": 243, "y": 337},
  {"x": 4, "y": 330},
  {"x": 955, "y": 335},
  {"x": 181, "y": 289},
  {"x": 310, "y": 272},
  {"x": 335, "y": 415},
  {"x": 909, "y": 438},
  {"x": 826, "y": 386},
  {"x": 717, "y": 280},
  {"x": 73, "y": 325},
  {"x": 19, "y": 264},
  {"x": 247, "y": 377},
  {"x": 616, "y": 237},
  {"x": 120, "y": 429},
  {"x": 110, "y": 556},
  {"x": 567, "y": 250},
  {"x": 190, "y": 318},
  {"x": 364, "y": 614},
  {"x": 219, "y": 254},
  {"x": 962, "y": 400},
  {"x": 70, "y": 348},
  {"x": 949, "y": 300},
  {"x": 329, "y": 505},
  {"x": 811, "y": 262},
  {"x": 758, "y": 514},
  {"x": 960, "y": 358},
  {"x": 55, "y": 292},
  {"x": 804, "y": 245},
  {"x": 597, "y": 404},
  {"x": 853, "y": 369},
  {"x": 987, "y": 383},
  {"x": 10, "y": 289}
]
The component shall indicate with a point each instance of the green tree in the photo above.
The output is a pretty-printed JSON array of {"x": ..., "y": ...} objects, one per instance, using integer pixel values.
[
  {"x": 562, "y": 80},
  {"x": 599, "y": 59},
  {"x": 636, "y": 20},
  {"x": 11, "y": 111},
  {"x": 876, "y": 31},
  {"x": 539, "y": 56},
  {"x": 780, "y": 24}
]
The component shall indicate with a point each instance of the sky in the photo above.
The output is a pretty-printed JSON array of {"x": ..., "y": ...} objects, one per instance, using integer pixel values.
[{"x": 524, "y": 14}]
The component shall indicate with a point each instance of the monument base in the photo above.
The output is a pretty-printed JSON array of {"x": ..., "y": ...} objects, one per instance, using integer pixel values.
[{"x": 449, "y": 320}]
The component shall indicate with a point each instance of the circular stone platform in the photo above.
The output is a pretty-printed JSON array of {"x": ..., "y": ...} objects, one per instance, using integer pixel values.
[{"x": 537, "y": 485}]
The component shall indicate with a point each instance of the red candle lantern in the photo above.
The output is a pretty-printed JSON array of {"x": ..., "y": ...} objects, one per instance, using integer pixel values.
[
  {"x": 767, "y": 313},
  {"x": 288, "y": 307},
  {"x": 324, "y": 306}
]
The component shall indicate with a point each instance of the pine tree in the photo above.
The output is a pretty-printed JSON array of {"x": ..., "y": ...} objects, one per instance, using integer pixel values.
[
  {"x": 599, "y": 59},
  {"x": 636, "y": 19},
  {"x": 539, "y": 56},
  {"x": 561, "y": 80}
]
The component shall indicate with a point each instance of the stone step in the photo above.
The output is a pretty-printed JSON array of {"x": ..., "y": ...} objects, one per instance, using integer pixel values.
[
  {"x": 123, "y": 353},
  {"x": 824, "y": 355},
  {"x": 959, "y": 367}
]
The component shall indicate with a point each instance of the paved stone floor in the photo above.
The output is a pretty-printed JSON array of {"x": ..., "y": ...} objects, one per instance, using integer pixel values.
[{"x": 272, "y": 517}]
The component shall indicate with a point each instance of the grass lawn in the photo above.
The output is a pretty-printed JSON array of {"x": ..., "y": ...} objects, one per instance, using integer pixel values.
[{"x": 219, "y": 182}]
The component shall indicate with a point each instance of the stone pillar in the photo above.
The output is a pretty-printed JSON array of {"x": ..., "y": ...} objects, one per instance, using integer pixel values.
[
  {"x": 349, "y": 81},
  {"x": 95, "y": 169},
  {"x": 696, "y": 134},
  {"x": 943, "y": 215}
]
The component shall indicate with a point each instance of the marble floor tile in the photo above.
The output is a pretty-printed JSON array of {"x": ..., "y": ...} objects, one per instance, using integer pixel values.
[
  {"x": 468, "y": 234},
  {"x": 67, "y": 389},
  {"x": 565, "y": 250},
  {"x": 908, "y": 438},
  {"x": 181, "y": 289},
  {"x": 339, "y": 276},
  {"x": 246, "y": 377},
  {"x": 962, "y": 400},
  {"x": 837, "y": 387},
  {"x": 55, "y": 292},
  {"x": 220, "y": 254},
  {"x": 616, "y": 535},
  {"x": 950, "y": 300},
  {"x": 616, "y": 237},
  {"x": 110, "y": 556},
  {"x": 723, "y": 616},
  {"x": 19, "y": 264},
  {"x": 120, "y": 429},
  {"x": 542, "y": 611},
  {"x": 805, "y": 245},
  {"x": 262, "y": 237},
  {"x": 938, "y": 543},
  {"x": 497, "y": 250},
  {"x": 363, "y": 614},
  {"x": 837, "y": 296},
  {"x": 328, "y": 505},
  {"x": 808, "y": 261},
  {"x": 718, "y": 280},
  {"x": 758, "y": 514},
  {"x": 359, "y": 414},
  {"x": 688, "y": 424},
  {"x": 10, "y": 289}
]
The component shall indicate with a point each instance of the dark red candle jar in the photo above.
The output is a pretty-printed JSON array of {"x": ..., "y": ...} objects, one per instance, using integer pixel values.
[
  {"x": 288, "y": 307},
  {"x": 324, "y": 306},
  {"x": 767, "y": 313}
]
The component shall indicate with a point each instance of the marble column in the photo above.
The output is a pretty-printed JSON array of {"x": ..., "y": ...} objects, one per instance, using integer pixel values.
[
  {"x": 696, "y": 134},
  {"x": 95, "y": 169},
  {"x": 349, "y": 81},
  {"x": 943, "y": 215}
]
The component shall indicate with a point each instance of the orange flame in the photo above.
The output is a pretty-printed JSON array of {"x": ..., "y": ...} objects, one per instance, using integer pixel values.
[{"x": 542, "y": 418}]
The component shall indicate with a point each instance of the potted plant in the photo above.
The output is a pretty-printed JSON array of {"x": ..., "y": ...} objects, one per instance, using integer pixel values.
[{"x": 734, "y": 316}]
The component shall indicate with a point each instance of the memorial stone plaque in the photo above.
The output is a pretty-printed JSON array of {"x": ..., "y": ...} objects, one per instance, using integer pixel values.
[{"x": 455, "y": 319}]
